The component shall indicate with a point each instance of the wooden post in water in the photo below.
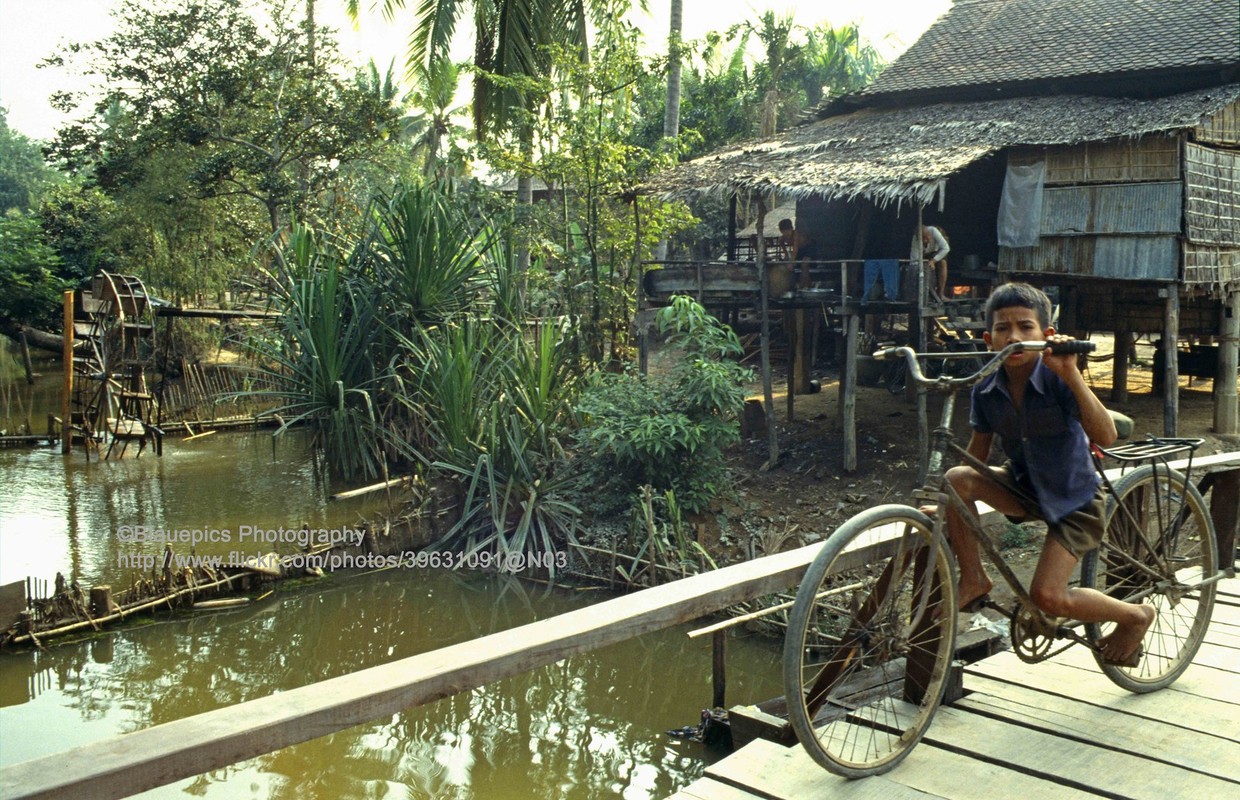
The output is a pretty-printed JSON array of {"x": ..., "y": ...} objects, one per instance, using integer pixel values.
[
  {"x": 66, "y": 402},
  {"x": 719, "y": 674}
]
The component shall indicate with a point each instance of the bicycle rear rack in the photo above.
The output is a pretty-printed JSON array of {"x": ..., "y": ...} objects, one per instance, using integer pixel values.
[{"x": 1152, "y": 448}]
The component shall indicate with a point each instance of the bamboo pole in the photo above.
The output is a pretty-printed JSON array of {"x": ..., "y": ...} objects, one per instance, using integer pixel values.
[
  {"x": 374, "y": 487},
  {"x": 124, "y": 612},
  {"x": 25, "y": 348}
]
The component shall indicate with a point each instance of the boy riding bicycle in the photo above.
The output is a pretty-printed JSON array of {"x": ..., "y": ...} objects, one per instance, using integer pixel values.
[{"x": 1045, "y": 416}]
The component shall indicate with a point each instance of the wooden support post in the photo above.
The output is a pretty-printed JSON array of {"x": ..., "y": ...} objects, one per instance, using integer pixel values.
[
  {"x": 1171, "y": 361},
  {"x": 764, "y": 296},
  {"x": 66, "y": 401},
  {"x": 25, "y": 348},
  {"x": 100, "y": 600},
  {"x": 1225, "y": 397},
  {"x": 848, "y": 386},
  {"x": 1225, "y": 512},
  {"x": 718, "y": 672},
  {"x": 1119, "y": 366}
]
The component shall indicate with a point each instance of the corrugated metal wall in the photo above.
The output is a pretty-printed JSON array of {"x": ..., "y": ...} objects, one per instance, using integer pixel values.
[
  {"x": 1139, "y": 208},
  {"x": 1150, "y": 258}
]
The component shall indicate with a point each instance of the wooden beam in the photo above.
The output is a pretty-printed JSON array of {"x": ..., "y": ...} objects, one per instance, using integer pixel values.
[
  {"x": 1119, "y": 361},
  {"x": 156, "y": 756}
]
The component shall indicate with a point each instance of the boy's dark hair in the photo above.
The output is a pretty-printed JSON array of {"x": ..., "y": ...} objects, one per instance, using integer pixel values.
[
  {"x": 785, "y": 224},
  {"x": 1022, "y": 295}
]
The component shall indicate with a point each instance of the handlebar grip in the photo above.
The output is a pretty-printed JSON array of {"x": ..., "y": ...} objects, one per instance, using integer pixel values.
[{"x": 1073, "y": 347}]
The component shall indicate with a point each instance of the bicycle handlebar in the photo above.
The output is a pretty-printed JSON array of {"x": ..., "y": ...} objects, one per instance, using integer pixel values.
[{"x": 1070, "y": 347}]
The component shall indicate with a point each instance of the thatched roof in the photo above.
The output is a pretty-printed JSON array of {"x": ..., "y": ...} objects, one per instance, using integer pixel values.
[
  {"x": 904, "y": 154},
  {"x": 996, "y": 43}
]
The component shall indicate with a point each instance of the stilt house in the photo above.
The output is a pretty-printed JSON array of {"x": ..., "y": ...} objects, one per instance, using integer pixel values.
[{"x": 1092, "y": 146}]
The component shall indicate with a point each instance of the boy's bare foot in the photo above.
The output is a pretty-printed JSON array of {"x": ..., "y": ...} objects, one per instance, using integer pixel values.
[
  {"x": 1120, "y": 645},
  {"x": 970, "y": 590}
]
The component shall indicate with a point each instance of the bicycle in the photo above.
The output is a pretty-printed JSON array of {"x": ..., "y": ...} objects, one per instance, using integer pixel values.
[{"x": 871, "y": 634}]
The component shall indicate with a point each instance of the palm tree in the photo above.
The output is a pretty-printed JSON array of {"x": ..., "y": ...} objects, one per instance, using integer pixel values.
[
  {"x": 838, "y": 61},
  {"x": 430, "y": 127},
  {"x": 511, "y": 41}
]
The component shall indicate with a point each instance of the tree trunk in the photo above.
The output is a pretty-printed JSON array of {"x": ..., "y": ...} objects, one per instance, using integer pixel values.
[{"x": 671, "y": 111}]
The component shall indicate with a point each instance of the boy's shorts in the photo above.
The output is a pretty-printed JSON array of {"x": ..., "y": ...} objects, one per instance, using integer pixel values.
[{"x": 1080, "y": 531}]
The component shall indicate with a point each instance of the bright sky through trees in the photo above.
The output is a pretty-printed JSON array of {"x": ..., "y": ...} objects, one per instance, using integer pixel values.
[{"x": 30, "y": 31}]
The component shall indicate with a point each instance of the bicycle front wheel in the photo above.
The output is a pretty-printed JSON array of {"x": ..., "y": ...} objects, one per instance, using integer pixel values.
[
  {"x": 870, "y": 641},
  {"x": 1158, "y": 547}
]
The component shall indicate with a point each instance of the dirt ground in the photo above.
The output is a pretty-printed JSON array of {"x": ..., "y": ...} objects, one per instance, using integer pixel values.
[{"x": 807, "y": 494}]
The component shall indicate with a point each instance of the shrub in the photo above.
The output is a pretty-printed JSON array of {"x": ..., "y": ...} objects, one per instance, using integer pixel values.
[{"x": 666, "y": 430}]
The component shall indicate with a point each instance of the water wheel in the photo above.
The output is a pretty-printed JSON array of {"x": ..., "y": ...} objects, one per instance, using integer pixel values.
[{"x": 116, "y": 323}]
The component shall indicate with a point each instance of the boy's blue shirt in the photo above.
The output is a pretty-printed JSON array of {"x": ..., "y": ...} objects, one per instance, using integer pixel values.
[{"x": 1045, "y": 442}]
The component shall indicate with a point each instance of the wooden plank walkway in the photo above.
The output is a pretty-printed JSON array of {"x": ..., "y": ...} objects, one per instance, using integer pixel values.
[{"x": 1059, "y": 729}]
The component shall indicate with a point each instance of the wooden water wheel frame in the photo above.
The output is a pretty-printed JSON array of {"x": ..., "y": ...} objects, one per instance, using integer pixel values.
[{"x": 116, "y": 321}]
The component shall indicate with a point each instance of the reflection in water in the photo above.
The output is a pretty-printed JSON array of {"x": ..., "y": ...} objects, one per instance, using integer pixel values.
[{"x": 587, "y": 727}]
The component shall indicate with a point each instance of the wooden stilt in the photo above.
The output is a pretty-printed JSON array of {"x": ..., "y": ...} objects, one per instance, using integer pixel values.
[
  {"x": 1119, "y": 367},
  {"x": 1171, "y": 363},
  {"x": 1225, "y": 402},
  {"x": 848, "y": 386},
  {"x": 764, "y": 295}
]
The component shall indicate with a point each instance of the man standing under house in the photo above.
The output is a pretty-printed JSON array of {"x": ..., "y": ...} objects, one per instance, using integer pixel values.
[{"x": 934, "y": 249}]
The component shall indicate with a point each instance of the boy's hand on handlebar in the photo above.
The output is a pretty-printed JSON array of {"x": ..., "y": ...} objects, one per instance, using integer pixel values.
[{"x": 1063, "y": 361}]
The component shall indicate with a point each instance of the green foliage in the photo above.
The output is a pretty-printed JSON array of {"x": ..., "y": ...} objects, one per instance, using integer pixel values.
[
  {"x": 76, "y": 222},
  {"x": 322, "y": 364},
  {"x": 23, "y": 174},
  {"x": 30, "y": 291},
  {"x": 667, "y": 430}
]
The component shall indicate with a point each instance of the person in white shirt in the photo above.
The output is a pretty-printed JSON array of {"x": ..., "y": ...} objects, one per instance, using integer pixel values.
[{"x": 934, "y": 249}]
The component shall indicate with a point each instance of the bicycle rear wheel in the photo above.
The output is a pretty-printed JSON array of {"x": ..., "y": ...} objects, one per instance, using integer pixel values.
[
  {"x": 1158, "y": 547},
  {"x": 869, "y": 647}
]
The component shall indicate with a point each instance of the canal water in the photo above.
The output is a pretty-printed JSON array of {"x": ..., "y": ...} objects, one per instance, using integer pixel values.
[{"x": 593, "y": 726}]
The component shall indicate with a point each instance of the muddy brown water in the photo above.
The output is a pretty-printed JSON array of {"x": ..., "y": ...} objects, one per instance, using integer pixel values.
[{"x": 593, "y": 726}]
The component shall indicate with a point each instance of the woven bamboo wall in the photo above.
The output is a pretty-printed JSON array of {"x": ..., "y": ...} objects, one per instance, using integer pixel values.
[
  {"x": 1151, "y": 158},
  {"x": 1221, "y": 128}
]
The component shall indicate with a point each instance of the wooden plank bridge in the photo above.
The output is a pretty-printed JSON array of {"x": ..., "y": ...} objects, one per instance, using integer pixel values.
[{"x": 1058, "y": 729}]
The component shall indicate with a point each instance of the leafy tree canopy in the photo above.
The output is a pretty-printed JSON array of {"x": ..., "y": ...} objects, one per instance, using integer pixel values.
[
  {"x": 23, "y": 173},
  {"x": 260, "y": 102}
]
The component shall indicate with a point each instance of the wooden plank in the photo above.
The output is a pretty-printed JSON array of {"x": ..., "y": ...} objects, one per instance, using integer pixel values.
[
  {"x": 1217, "y": 665},
  {"x": 1072, "y": 762},
  {"x": 938, "y": 772},
  {"x": 788, "y": 773},
  {"x": 710, "y": 789},
  {"x": 1208, "y": 714},
  {"x": 135, "y": 762},
  {"x": 1177, "y": 744}
]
